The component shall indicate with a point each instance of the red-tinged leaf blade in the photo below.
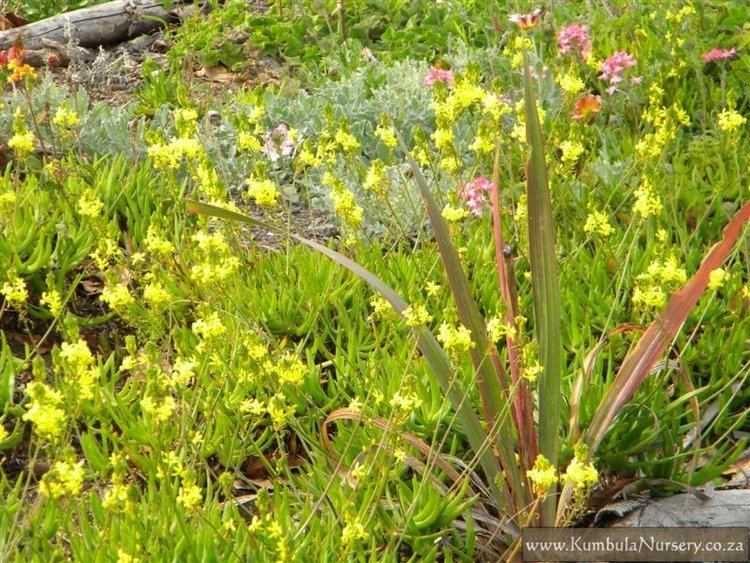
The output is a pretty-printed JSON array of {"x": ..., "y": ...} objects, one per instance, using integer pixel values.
[
  {"x": 651, "y": 346},
  {"x": 489, "y": 374},
  {"x": 433, "y": 353},
  {"x": 522, "y": 405},
  {"x": 545, "y": 291}
]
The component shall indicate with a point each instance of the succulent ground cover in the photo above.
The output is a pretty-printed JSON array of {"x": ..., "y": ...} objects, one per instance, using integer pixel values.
[{"x": 455, "y": 269}]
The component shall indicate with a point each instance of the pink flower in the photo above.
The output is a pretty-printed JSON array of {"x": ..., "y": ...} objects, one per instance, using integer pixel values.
[
  {"x": 719, "y": 54},
  {"x": 574, "y": 38},
  {"x": 526, "y": 21},
  {"x": 438, "y": 75},
  {"x": 474, "y": 194},
  {"x": 613, "y": 68},
  {"x": 278, "y": 142}
]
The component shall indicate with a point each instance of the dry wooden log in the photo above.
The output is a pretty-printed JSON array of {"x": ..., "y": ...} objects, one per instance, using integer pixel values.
[
  {"x": 719, "y": 508},
  {"x": 104, "y": 24}
]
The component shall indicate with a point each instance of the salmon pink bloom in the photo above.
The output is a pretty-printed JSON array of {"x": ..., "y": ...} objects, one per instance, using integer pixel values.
[
  {"x": 526, "y": 21},
  {"x": 474, "y": 194},
  {"x": 586, "y": 108},
  {"x": 438, "y": 75},
  {"x": 719, "y": 54},
  {"x": 3, "y": 59},
  {"x": 574, "y": 38}
]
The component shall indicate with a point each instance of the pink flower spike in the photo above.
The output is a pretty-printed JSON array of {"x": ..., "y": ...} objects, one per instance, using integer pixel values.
[
  {"x": 278, "y": 143},
  {"x": 719, "y": 54},
  {"x": 613, "y": 68},
  {"x": 438, "y": 75},
  {"x": 526, "y": 21},
  {"x": 574, "y": 38},
  {"x": 474, "y": 194}
]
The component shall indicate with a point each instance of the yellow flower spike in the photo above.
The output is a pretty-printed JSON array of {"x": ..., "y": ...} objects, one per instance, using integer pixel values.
[
  {"x": 455, "y": 339},
  {"x": 15, "y": 292},
  {"x": 22, "y": 144},
  {"x": 717, "y": 278},
  {"x": 579, "y": 472},
  {"x": 730, "y": 121},
  {"x": 416, "y": 315},
  {"x": 542, "y": 475},
  {"x": 65, "y": 118},
  {"x": 264, "y": 192},
  {"x": 598, "y": 223},
  {"x": 65, "y": 478}
]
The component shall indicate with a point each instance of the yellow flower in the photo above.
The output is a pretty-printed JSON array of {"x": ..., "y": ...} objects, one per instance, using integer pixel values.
[
  {"x": 571, "y": 152},
  {"x": 290, "y": 369},
  {"x": 116, "y": 497},
  {"x": 579, "y": 472},
  {"x": 717, "y": 278},
  {"x": 209, "y": 327},
  {"x": 159, "y": 412},
  {"x": 346, "y": 207},
  {"x": 15, "y": 291},
  {"x": 53, "y": 300},
  {"x": 730, "y": 121},
  {"x": 597, "y": 222},
  {"x": 124, "y": 557},
  {"x": 346, "y": 141},
  {"x": 77, "y": 354},
  {"x": 3, "y": 433},
  {"x": 376, "y": 180},
  {"x": 183, "y": 370},
  {"x": 455, "y": 339},
  {"x": 570, "y": 83},
  {"x": 89, "y": 204},
  {"x": 248, "y": 142},
  {"x": 353, "y": 531},
  {"x": 156, "y": 296},
  {"x": 22, "y": 144},
  {"x": 542, "y": 475},
  {"x": 416, "y": 315},
  {"x": 432, "y": 288},
  {"x": 497, "y": 329},
  {"x": 450, "y": 164},
  {"x": 647, "y": 203},
  {"x": 65, "y": 118},
  {"x": 117, "y": 297},
  {"x": 44, "y": 410},
  {"x": 185, "y": 121},
  {"x": 387, "y": 134},
  {"x": 264, "y": 192},
  {"x": 65, "y": 478},
  {"x": 443, "y": 138},
  {"x": 452, "y": 214},
  {"x": 156, "y": 244},
  {"x": 19, "y": 71},
  {"x": 190, "y": 494},
  {"x": 170, "y": 156},
  {"x": 380, "y": 308}
]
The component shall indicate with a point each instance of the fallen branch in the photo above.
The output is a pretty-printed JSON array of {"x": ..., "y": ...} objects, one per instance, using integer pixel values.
[
  {"x": 721, "y": 508},
  {"x": 104, "y": 24}
]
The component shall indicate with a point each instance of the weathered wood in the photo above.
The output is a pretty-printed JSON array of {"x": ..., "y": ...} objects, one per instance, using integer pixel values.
[
  {"x": 104, "y": 24},
  {"x": 721, "y": 508}
]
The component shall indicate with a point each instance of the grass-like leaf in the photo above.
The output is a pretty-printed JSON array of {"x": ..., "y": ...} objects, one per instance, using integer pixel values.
[
  {"x": 491, "y": 380},
  {"x": 429, "y": 346},
  {"x": 522, "y": 406},
  {"x": 544, "y": 287},
  {"x": 651, "y": 346}
]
